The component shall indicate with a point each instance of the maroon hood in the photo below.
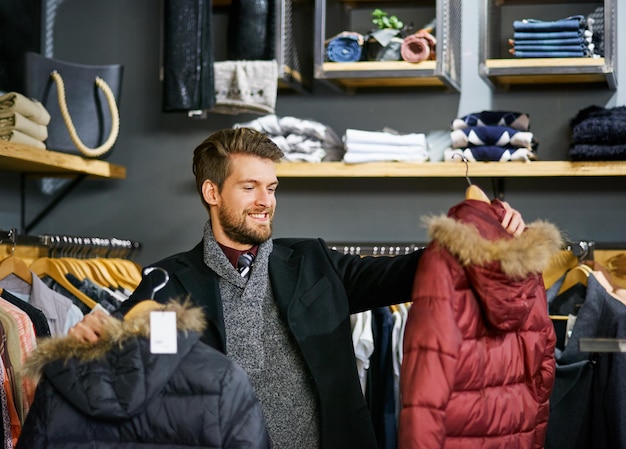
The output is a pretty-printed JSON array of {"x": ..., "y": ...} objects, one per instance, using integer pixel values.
[{"x": 497, "y": 264}]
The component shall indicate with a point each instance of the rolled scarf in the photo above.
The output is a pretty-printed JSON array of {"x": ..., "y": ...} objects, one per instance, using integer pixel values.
[
  {"x": 418, "y": 47},
  {"x": 345, "y": 47}
]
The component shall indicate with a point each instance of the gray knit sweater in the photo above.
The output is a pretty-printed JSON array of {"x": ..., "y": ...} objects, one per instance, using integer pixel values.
[{"x": 257, "y": 338}]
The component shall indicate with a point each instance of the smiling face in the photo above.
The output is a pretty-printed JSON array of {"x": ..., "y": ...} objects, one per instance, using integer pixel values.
[{"x": 242, "y": 213}]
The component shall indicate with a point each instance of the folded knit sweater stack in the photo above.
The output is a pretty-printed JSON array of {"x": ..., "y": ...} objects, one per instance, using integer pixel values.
[
  {"x": 599, "y": 134},
  {"x": 492, "y": 136}
]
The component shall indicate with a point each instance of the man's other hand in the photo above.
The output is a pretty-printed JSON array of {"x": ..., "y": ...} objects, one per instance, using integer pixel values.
[
  {"x": 512, "y": 221},
  {"x": 89, "y": 329}
]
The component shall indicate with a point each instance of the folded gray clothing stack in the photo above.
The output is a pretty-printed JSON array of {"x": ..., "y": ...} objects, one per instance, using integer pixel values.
[
  {"x": 301, "y": 140},
  {"x": 23, "y": 120}
]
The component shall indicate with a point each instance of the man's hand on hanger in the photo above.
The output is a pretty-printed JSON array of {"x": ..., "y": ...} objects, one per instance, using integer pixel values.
[{"x": 512, "y": 221}]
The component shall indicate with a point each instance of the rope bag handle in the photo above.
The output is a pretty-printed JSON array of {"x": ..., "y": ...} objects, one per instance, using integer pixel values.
[{"x": 115, "y": 117}]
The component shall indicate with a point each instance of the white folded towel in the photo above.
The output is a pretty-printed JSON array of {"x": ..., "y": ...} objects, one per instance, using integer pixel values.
[
  {"x": 387, "y": 156},
  {"x": 368, "y": 148},
  {"x": 380, "y": 137}
]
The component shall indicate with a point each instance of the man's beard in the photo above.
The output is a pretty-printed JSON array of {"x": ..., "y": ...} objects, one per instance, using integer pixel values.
[{"x": 236, "y": 228}]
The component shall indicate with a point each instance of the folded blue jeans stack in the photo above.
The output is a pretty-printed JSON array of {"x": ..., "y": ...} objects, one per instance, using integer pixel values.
[{"x": 564, "y": 38}]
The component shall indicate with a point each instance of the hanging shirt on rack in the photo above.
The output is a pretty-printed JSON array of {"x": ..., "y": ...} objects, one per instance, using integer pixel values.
[
  {"x": 21, "y": 341},
  {"x": 11, "y": 422},
  {"x": 60, "y": 312},
  {"x": 36, "y": 316},
  {"x": 363, "y": 342}
]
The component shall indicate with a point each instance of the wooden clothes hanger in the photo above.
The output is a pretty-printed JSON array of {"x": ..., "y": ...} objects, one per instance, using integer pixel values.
[
  {"x": 577, "y": 275},
  {"x": 119, "y": 270},
  {"x": 473, "y": 192},
  {"x": 560, "y": 264},
  {"x": 16, "y": 266},
  {"x": 102, "y": 275},
  {"x": 13, "y": 265}
]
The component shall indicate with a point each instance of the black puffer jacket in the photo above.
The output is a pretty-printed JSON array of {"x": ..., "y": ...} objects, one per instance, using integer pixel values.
[{"x": 117, "y": 394}]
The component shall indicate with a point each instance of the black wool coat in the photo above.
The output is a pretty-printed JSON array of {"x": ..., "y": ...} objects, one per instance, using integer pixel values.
[{"x": 316, "y": 289}]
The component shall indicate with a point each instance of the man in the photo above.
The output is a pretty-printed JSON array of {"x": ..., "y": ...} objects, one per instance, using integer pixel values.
[{"x": 286, "y": 320}]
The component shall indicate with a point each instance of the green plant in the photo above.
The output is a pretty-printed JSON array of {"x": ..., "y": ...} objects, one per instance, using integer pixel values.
[{"x": 383, "y": 21}]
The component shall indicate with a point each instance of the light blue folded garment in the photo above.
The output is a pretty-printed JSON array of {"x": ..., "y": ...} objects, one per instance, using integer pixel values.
[{"x": 571, "y": 23}]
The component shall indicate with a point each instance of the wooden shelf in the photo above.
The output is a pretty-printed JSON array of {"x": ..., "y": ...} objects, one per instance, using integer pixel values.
[
  {"x": 449, "y": 169},
  {"x": 382, "y": 74},
  {"x": 25, "y": 159},
  {"x": 505, "y": 72}
]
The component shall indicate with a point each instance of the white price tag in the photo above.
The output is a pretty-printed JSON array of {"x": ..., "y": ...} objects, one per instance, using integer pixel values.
[{"x": 163, "y": 338}]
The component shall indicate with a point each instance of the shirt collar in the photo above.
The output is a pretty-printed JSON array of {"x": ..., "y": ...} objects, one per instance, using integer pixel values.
[{"x": 233, "y": 254}]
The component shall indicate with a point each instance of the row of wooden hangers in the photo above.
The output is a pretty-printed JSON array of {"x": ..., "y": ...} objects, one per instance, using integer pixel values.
[{"x": 109, "y": 272}]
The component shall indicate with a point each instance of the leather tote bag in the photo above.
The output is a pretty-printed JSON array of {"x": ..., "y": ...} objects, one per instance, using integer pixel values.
[{"x": 82, "y": 100}]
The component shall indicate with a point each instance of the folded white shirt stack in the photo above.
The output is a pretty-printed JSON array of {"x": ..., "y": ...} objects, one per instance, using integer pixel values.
[
  {"x": 23, "y": 120},
  {"x": 381, "y": 146}
]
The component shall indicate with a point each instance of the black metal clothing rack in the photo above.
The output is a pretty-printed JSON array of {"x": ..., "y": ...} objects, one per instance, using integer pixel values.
[
  {"x": 73, "y": 246},
  {"x": 376, "y": 249}
]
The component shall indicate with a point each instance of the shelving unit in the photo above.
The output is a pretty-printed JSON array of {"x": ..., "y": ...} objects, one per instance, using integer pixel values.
[
  {"x": 37, "y": 162},
  {"x": 335, "y": 16},
  {"x": 450, "y": 169},
  {"x": 502, "y": 71}
]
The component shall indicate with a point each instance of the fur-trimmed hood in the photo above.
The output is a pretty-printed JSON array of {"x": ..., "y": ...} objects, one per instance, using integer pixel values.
[
  {"x": 496, "y": 264},
  {"x": 116, "y": 376}
]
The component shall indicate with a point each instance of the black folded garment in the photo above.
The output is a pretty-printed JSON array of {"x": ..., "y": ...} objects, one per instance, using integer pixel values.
[
  {"x": 251, "y": 30},
  {"x": 599, "y": 134},
  {"x": 188, "y": 82}
]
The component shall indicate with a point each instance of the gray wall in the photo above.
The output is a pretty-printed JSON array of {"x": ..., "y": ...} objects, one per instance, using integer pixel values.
[{"x": 157, "y": 204}]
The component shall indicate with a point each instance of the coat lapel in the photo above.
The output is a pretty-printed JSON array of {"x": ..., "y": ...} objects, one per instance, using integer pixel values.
[
  {"x": 284, "y": 273},
  {"x": 198, "y": 279}
]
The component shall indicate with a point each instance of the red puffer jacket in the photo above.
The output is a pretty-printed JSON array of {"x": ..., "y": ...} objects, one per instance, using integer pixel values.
[{"x": 478, "y": 365}]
